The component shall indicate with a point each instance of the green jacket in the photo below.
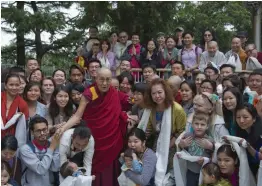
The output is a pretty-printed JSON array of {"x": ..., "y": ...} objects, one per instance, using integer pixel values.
[{"x": 222, "y": 182}]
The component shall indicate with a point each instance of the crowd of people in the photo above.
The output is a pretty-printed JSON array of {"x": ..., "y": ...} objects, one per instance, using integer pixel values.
[{"x": 198, "y": 122}]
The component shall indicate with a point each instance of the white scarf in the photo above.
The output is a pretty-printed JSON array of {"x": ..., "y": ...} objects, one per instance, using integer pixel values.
[
  {"x": 104, "y": 61},
  {"x": 245, "y": 175},
  {"x": 180, "y": 166},
  {"x": 125, "y": 181},
  {"x": 235, "y": 61},
  {"x": 163, "y": 143},
  {"x": 20, "y": 132},
  {"x": 259, "y": 177},
  {"x": 77, "y": 181}
]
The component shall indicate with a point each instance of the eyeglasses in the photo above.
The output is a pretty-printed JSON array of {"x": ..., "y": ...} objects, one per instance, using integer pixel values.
[
  {"x": 207, "y": 35},
  {"x": 38, "y": 132},
  {"x": 206, "y": 88}
]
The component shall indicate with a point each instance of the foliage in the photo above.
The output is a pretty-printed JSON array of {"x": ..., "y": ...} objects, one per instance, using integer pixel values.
[{"x": 146, "y": 18}]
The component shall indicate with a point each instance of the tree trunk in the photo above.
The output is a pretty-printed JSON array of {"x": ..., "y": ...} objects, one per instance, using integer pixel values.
[
  {"x": 38, "y": 41},
  {"x": 20, "y": 39}
]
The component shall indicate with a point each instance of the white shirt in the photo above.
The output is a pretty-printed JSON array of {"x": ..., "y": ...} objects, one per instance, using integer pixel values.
[{"x": 65, "y": 150}]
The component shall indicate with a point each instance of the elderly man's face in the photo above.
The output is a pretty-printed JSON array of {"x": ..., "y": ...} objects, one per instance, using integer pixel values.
[
  {"x": 212, "y": 48},
  {"x": 123, "y": 37},
  {"x": 236, "y": 45},
  {"x": 103, "y": 80},
  {"x": 251, "y": 51}
]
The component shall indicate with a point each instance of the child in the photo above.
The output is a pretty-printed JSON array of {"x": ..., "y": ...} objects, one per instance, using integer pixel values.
[
  {"x": 74, "y": 176},
  {"x": 212, "y": 176},
  {"x": 200, "y": 144},
  {"x": 130, "y": 162},
  {"x": 5, "y": 174}
]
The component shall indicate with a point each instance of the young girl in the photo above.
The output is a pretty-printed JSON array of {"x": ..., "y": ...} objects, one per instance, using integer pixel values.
[
  {"x": 228, "y": 163},
  {"x": 188, "y": 92},
  {"x": 6, "y": 174},
  {"x": 60, "y": 108},
  {"x": 212, "y": 176}
]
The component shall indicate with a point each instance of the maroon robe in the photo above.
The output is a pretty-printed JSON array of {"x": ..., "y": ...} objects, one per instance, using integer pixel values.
[{"x": 108, "y": 125}]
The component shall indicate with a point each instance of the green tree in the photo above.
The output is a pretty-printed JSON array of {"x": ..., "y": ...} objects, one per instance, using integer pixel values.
[{"x": 37, "y": 17}]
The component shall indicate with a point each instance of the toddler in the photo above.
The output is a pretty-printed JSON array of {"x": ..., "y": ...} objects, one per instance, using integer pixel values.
[
  {"x": 130, "y": 162},
  {"x": 5, "y": 174},
  {"x": 212, "y": 176},
  {"x": 72, "y": 173}
]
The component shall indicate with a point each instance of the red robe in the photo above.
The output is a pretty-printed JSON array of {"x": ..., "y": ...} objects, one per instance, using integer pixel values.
[
  {"x": 108, "y": 125},
  {"x": 18, "y": 105}
]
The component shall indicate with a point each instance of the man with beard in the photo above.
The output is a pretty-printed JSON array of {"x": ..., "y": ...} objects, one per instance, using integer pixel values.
[
  {"x": 40, "y": 157},
  {"x": 211, "y": 57},
  {"x": 101, "y": 110}
]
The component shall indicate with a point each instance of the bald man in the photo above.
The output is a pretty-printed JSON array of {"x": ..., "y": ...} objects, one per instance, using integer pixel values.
[
  {"x": 236, "y": 48},
  {"x": 101, "y": 110},
  {"x": 174, "y": 82},
  {"x": 212, "y": 57}
]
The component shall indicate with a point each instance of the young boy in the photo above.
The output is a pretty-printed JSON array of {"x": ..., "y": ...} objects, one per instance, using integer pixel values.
[
  {"x": 130, "y": 162},
  {"x": 212, "y": 176},
  {"x": 74, "y": 176},
  {"x": 200, "y": 145}
]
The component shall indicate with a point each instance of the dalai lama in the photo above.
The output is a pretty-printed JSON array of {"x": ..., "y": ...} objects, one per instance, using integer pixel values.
[{"x": 100, "y": 108}]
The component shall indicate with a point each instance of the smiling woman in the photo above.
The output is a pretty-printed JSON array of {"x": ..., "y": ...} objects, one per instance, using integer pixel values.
[{"x": 60, "y": 108}]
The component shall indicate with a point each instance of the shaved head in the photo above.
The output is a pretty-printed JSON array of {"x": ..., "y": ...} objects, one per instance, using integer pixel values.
[
  {"x": 103, "y": 79},
  {"x": 212, "y": 43},
  {"x": 103, "y": 71},
  {"x": 236, "y": 44},
  {"x": 174, "y": 82}
]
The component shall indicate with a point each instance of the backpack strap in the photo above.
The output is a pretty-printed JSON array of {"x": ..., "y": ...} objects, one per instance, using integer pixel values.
[
  {"x": 182, "y": 50},
  {"x": 196, "y": 52},
  {"x": 32, "y": 147}
]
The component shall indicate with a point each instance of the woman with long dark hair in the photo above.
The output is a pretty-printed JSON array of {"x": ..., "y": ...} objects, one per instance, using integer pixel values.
[
  {"x": 9, "y": 147},
  {"x": 12, "y": 103},
  {"x": 151, "y": 55},
  {"x": 207, "y": 35},
  {"x": 60, "y": 108},
  {"x": 32, "y": 93},
  {"x": 232, "y": 98},
  {"x": 250, "y": 128}
]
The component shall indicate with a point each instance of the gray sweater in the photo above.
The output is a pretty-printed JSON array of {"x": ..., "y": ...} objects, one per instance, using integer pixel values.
[
  {"x": 149, "y": 168},
  {"x": 39, "y": 166}
]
